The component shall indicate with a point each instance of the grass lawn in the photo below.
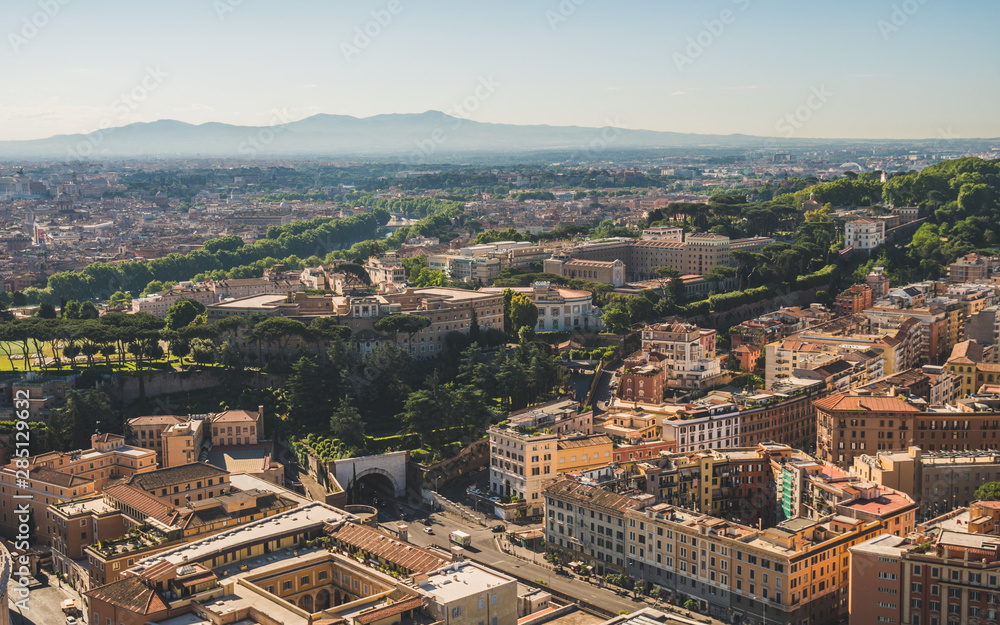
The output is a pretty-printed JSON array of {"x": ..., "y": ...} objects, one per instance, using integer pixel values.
[{"x": 17, "y": 363}]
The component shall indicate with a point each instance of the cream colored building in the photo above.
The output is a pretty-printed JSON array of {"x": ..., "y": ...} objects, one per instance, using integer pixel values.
[
  {"x": 691, "y": 361},
  {"x": 467, "y": 593},
  {"x": 386, "y": 268},
  {"x": 864, "y": 234},
  {"x": 522, "y": 459},
  {"x": 559, "y": 308}
]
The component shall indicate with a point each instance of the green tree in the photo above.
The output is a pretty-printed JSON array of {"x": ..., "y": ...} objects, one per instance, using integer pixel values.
[
  {"x": 523, "y": 313},
  {"x": 120, "y": 299},
  {"x": 616, "y": 319},
  {"x": 202, "y": 351},
  {"x": 71, "y": 351},
  {"x": 473, "y": 370},
  {"x": 46, "y": 311},
  {"x": 183, "y": 312},
  {"x": 231, "y": 357},
  {"x": 71, "y": 310},
  {"x": 423, "y": 410},
  {"x": 990, "y": 491},
  {"x": 408, "y": 324},
  {"x": 88, "y": 311},
  {"x": 278, "y": 330},
  {"x": 155, "y": 286},
  {"x": 347, "y": 425},
  {"x": 85, "y": 412},
  {"x": 425, "y": 277},
  {"x": 719, "y": 274},
  {"x": 308, "y": 400}
]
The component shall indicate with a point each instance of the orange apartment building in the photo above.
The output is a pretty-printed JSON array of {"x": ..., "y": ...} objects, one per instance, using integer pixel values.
[
  {"x": 57, "y": 477},
  {"x": 854, "y": 300},
  {"x": 796, "y": 572},
  {"x": 946, "y": 572},
  {"x": 853, "y": 424}
]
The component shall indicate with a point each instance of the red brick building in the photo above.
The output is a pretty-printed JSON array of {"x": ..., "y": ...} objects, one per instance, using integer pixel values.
[
  {"x": 853, "y": 300},
  {"x": 644, "y": 377},
  {"x": 748, "y": 356}
]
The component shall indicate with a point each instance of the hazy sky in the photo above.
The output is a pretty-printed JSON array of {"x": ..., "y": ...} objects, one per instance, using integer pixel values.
[{"x": 850, "y": 68}]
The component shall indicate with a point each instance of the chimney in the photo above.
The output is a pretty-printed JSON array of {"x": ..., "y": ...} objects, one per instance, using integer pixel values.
[
  {"x": 260, "y": 423},
  {"x": 403, "y": 532}
]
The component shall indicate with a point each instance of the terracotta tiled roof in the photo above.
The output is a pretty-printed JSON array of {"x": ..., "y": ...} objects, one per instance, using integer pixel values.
[
  {"x": 967, "y": 349},
  {"x": 131, "y": 594},
  {"x": 410, "y": 557},
  {"x": 107, "y": 438},
  {"x": 594, "y": 496},
  {"x": 388, "y": 611},
  {"x": 140, "y": 500},
  {"x": 232, "y": 416},
  {"x": 871, "y": 403},
  {"x": 242, "y": 458},
  {"x": 66, "y": 480},
  {"x": 156, "y": 420},
  {"x": 589, "y": 441},
  {"x": 164, "y": 478}
]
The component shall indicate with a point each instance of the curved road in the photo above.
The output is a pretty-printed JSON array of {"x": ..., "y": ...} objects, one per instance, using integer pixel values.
[{"x": 484, "y": 549}]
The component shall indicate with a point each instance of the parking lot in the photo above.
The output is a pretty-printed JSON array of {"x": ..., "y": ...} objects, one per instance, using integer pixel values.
[{"x": 43, "y": 606}]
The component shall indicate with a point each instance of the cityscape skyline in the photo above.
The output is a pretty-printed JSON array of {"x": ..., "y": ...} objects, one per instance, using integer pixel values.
[{"x": 710, "y": 68}]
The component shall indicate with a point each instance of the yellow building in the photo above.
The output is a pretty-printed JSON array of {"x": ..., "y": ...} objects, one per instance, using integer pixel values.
[
  {"x": 522, "y": 459},
  {"x": 968, "y": 362}
]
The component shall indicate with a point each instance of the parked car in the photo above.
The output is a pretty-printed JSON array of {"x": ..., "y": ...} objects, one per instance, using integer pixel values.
[
  {"x": 498, "y": 528},
  {"x": 428, "y": 530}
]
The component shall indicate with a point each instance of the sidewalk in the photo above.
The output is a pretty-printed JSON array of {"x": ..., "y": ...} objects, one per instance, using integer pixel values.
[
  {"x": 314, "y": 490},
  {"x": 521, "y": 553},
  {"x": 73, "y": 593},
  {"x": 538, "y": 559}
]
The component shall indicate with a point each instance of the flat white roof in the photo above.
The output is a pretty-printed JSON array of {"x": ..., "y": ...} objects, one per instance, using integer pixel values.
[
  {"x": 254, "y": 301},
  {"x": 457, "y": 581},
  {"x": 314, "y": 514},
  {"x": 245, "y": 481}
]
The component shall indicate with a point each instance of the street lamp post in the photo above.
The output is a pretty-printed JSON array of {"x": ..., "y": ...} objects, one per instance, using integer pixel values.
[{"x": 763, "y": 608}]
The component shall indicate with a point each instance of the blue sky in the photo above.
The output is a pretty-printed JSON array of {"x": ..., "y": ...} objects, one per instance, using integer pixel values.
[{"x": 886, "y": 68}]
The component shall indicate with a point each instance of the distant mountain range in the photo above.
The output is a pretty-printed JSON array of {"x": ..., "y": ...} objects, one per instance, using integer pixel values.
[{"x": 413, "y": 138}]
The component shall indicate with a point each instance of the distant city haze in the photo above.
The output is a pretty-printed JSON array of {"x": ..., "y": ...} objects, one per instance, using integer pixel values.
[{"x": 870, "y": 69}]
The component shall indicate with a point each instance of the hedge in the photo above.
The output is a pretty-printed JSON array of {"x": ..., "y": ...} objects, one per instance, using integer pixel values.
[{"x": 826, "y": 275}]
